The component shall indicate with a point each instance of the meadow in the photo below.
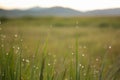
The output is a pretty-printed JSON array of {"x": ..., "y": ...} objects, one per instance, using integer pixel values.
[{"x": 59, "y": 48}]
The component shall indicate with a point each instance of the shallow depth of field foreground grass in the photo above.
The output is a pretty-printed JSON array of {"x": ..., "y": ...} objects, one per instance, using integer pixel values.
[{"x": 83, "y": 48}]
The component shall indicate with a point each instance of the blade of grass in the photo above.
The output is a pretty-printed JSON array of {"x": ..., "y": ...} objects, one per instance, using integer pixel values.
[
  {"x": 102, "y": 67},
  {"x": 36, "y": 52},
  {"x": 43, "y": 61},
  {"x": 42, "y": 69},
  {"x": 64, "y": 74},
  {"x": 113, "y": 71},
  {"x": 77, "y": 60}
]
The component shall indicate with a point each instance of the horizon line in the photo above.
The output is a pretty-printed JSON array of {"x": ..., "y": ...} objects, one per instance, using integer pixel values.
[{"x": 53, "y": 7}]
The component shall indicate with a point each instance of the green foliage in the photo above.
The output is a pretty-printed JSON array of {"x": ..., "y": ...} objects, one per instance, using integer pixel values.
[
  {"x": 73, "y": 49},
  {"x": 101, "y": 22}
]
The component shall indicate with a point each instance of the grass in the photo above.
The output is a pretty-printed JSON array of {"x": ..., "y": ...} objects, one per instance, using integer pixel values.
[{"x": 52, "y": 48}]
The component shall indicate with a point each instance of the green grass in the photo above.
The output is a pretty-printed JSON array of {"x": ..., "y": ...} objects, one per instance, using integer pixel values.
[{"x": 50, "y": 48}]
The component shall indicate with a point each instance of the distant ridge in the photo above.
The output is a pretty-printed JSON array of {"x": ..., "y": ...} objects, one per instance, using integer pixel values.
[
  {"x": 105, "y": 12},
  {"x": 57, "y": 11}
]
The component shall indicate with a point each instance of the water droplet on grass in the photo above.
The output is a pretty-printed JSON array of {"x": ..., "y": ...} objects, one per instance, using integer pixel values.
[
  {"x": 23, "y": 60},
  {"x": 110, "y": 47},
  {"x": 97, "y": 59},
  {"x": 27, "y": 61},
  {"x": 16, "y": 35},
  {"x": 7, "y": 54},
  {"x": 83, "y": 55},
  {"x": 54, "y": 56},
  {"x": 21, "y": 40},
  {"x": 48, "y": 64},
  {"x": 84, "y": 74},
  {"x": 2, "y": 45},
  {"x": 84, "y": 47},
  {"x": 72, "y": 53},
  {"x": 80, "y": 65},
  {"x": 37, "y": 67},
  {"x": 13, "y": 47},
  {"x": 18, "y": 48}
]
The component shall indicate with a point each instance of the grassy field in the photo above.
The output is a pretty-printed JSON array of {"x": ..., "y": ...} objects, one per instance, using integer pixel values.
[{"x": 56, "y": 48}]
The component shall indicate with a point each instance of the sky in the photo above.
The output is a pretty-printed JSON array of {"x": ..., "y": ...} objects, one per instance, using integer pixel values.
[{"x": 81, "y": 5}]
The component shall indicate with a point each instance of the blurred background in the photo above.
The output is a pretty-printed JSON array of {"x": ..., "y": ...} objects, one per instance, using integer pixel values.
[{"x": 95, "y": 23}]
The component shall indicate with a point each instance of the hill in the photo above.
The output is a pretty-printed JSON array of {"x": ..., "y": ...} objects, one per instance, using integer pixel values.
[{"x": 57, "y": 11}]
